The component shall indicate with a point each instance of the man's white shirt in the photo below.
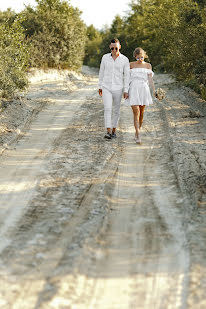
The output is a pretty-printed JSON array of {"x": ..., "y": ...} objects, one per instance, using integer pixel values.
[{"x": 114, "y": 74}]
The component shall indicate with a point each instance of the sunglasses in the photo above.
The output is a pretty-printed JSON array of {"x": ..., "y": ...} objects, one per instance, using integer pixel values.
[
  {"x": 116, "y": 48},
  {"x": 141, "y": 58}
]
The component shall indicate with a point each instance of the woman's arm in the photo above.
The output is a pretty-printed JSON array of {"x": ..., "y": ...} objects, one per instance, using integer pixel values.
[{"x": 150, "y": 78}]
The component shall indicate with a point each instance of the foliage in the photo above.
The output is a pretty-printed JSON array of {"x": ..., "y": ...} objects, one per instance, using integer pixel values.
[
  {"x": 13, "y": 58},
  {"x": 57, "y": 34},
  {"x": 172, "y": 32},
  {"x": 92, "y": 49},
  {"x": 7, "y": 16}
]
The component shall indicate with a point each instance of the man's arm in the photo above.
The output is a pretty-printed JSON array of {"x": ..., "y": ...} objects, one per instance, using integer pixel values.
[
  {"x": 101, "y": 75},
  {"x": 126, "y": 78}
]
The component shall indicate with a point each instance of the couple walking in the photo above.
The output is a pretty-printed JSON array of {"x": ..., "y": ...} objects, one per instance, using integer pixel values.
[{"x": 116, "y": 77}]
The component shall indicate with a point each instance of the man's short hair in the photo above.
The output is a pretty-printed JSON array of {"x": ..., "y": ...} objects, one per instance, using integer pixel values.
[{"x": 115, "y": 41}]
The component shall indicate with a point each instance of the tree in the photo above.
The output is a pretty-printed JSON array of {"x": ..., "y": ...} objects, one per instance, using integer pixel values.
[
  {"x": 13, "y": 58},
  {"x": 7, "y": 16},
  {"x": 57, "y": 34},
  {"x": 172, "y": 32},
  {"x": 92, "y": 49}
]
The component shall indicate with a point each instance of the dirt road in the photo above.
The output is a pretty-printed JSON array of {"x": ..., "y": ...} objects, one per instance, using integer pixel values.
[{"x": 92, "y": 224}]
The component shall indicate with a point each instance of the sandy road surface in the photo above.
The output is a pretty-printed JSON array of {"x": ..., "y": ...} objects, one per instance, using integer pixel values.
[{"x": 92, "y": 224}]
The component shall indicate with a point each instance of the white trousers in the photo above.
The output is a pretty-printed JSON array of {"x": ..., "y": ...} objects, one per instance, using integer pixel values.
[{"x": 111, "y": 99}]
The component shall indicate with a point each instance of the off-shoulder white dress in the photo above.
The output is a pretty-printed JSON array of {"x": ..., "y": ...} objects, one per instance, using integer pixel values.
[{"x": 139, "y": 91}]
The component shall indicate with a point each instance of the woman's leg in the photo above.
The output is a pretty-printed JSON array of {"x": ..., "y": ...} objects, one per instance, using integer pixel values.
[
  {"x": 141, "y": 115},
  {"x": 136, "y": 113}
]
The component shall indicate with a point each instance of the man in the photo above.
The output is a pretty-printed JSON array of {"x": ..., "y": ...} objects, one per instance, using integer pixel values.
[{"x": 113, "y": 81}]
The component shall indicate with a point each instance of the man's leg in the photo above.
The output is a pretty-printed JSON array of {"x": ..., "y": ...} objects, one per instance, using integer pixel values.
[
  {"x": 107, "y": 100},
  {"x": 117, "y": 97}
]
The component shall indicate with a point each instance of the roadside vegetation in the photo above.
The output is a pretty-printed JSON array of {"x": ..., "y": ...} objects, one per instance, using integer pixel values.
[
  {"x": 53, "y": 35},
  {"x": 49, "y": 35},
  {"x": 173, "y": 32},
  {"x": 13, "y": 58}
]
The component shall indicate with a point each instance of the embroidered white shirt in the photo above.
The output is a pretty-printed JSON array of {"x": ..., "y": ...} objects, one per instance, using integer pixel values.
[{"x": 114, "y": 74}]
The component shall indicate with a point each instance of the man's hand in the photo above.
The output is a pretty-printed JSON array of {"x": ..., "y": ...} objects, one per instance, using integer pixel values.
[
  {"x": 126, "y": 95},
  {"x": 100, "y": 92}
]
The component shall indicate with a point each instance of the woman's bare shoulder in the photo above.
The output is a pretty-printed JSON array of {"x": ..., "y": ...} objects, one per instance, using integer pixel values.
[
  {"x": 132, "y": 65},
  {"x": 149, "y": 66}
]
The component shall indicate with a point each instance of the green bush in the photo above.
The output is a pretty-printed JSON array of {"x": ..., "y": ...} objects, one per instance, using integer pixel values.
[
  {"x": 92, "y": 48},
  {"x": 172, "y": 32},
  {"x": 57, "y": 34},
  {"x": 7, "y": 16},
  {"x": 13, "y": 58}
]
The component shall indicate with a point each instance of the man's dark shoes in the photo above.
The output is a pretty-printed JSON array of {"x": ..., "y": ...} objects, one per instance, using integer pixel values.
[
  {"x": 108, "y": 135},
  {"x": 113, "y": 135}
]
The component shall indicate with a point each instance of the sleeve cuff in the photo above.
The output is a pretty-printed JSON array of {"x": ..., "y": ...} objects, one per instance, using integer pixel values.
[{"x": 126, "y": 90}]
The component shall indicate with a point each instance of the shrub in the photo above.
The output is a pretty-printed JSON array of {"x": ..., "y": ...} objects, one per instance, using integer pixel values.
[
  {"x": 173, "y": 33},
  {"x": 92, "y": 49},
  {"x": 57, "y": 34},
  {"x": 13, "y": 58}
]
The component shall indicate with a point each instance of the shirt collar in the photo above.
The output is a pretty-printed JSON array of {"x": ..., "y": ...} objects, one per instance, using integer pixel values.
[{"x": 120, "y": 55}]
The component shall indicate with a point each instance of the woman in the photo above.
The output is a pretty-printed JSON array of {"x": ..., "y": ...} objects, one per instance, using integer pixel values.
[{"x": 139, "y": 93}]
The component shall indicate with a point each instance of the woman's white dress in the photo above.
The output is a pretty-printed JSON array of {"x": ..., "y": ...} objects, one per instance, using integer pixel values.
[{"x": 139, "y": 91}]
